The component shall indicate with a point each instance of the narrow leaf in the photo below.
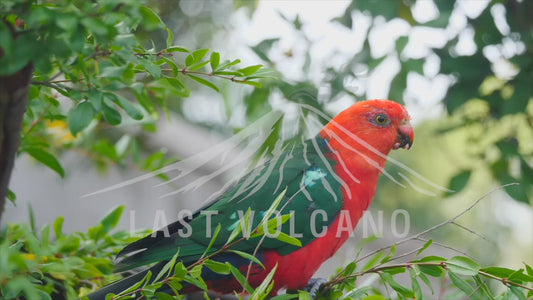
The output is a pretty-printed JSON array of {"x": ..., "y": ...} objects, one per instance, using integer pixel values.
[
  {"x": 460, "y": 283},
  {"x": 177, "y": 49},
  {"x": 217, "y": 267},
  {"x": 58, "y": 226},
  {"x": 240, "y": 278},
  {"x": 204, "y": 82},
  {"x": 249, "y": 257},
  {"x": 288, "y": 239},
  {"x": 252, "y": 83},
  {"x": 249, "y": 70},
  {"x": 46, "y": 159},
  {"x": 213, "y": 240},
  {"x": 178, "y": 86},
  {"x": 426, "y": 245},
  {"x": 167, "y": 268},
  {"x": 129, "y": 108},
  {"x": 111, "y": 220},
  {"x": 170, "y": 38}
]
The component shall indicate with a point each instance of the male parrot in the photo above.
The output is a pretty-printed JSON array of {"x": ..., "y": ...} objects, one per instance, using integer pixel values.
[{"x": 329, "y": 181}]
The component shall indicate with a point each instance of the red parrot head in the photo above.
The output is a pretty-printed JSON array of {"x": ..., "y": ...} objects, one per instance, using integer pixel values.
[{"x": 371, "y": 126}]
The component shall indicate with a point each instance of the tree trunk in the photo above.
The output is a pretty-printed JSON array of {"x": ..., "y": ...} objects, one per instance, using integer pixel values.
[{"x": 13, "y": 102}]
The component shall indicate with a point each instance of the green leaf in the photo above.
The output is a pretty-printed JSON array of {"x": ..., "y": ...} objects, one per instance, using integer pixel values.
[
  {"x": 226, "y": 64},
  {"x": 175, "y": 285},
  {"x": 273, "y": 207},
  {"x": 249, "y": 70},
  {"x": 392, "y": 252},
  {"x": 167, "y": 268},
  {"x": 66, "y": 21},
  {"x": 150, "y": 67},
  {"x": 213, "y": 240},
  {"x": 58, "y": 226},
  {"x": 249, "y": 257},
  {"x": 214, "y": 60},
  {"x": 121, "y": 146},
  {"x": 195, "y": 57},
  {"x": 217, "y": 267},
  {"x": 180, "y": 271},
  {"x": 177, "y": 49},
  {"x": 172, "y": 65},
  {"x": 529, "y": 269},
  {"x": 199, "y": 282},
  {"x": 426, "y": 281},
  {"x": 170, "y": 39},
  {"x": 265, "y": 286},
  {"x": 112, "y": 116},
  {"x": 150, "y": 20},
  {"x": 396, "y": 286},
  {"x": 204, "y": 82},
  {"x": 426, "y": 245},
  {"x": 137, "y": 285},
  {"x": 435, "y": 271},
  {"x": 512, "y": 275},
  {"x": 414, "y": 283},
  {"x": 459, "y": 181},
  {"x": 263, "y": 48},
  {"x": 463, "y": 265},
  {"x": 11, "y": 196},
  {"x": 198, "y": 65},
  {"x": 301, "y": 296},
  {"x": 375, "y": 297},
  {"x": 95, "y": 26},
  {"x": 373, "y": 261},
  {"x": 129, "y": 108},
  {"x": 163, "y": 296},
  {"x": 111, "y": 220},
  {"x": 288, "y": 239},
  {"x": 178, "y": 86},
  {"x": 114, "y": 71},
  {"x": 46, "y": 159},
  {"x": 252, "y": 83},
  {"x": 80, "y": 117},
  {"x": 349, "y": 268},
  {"x": 240, "y": 278},
  {"x": 196, "y": 271},
  {"x": 461, "y": 284},
  {"x": 517, "y": 292}
]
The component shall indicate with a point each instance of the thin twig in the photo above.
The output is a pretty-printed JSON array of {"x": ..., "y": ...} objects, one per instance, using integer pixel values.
[
  {"x": 440, "y": 224},
  {"x": 470, "y": 230},
  {"x": 420, "y": 234},
  {"x": 445, "y": 246}
]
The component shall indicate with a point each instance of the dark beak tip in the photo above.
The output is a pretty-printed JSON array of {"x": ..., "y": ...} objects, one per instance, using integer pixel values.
[{"x": 403, "y": 141}]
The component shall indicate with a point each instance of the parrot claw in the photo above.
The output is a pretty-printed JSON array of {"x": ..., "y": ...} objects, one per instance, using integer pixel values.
[{"x": 314, "y": 286}]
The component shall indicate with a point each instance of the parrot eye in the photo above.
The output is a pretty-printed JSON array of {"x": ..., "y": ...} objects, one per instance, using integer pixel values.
[{"x": 381, "y": 119}]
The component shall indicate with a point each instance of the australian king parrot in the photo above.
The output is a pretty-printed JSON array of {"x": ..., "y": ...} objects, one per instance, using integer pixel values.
[{"x": 327, "y": 181}]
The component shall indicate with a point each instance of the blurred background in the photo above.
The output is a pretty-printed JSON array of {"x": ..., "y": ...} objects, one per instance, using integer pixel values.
[{"x": 463, "y": 69}]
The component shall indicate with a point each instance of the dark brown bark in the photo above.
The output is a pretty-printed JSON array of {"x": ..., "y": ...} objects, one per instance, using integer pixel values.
[{"x": 13, "y": 102}]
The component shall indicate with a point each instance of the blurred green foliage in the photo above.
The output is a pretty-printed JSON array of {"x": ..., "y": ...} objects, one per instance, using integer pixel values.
[
  {"x": 48, "y": 263},
  {"x": 93, "y": 77}
]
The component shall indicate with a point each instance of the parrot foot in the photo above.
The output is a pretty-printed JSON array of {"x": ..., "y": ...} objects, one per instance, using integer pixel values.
[{"x": 314, "y": 286}]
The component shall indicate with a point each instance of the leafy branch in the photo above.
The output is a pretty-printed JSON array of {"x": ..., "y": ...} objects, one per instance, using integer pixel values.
[{"x": 431, "y": 265}]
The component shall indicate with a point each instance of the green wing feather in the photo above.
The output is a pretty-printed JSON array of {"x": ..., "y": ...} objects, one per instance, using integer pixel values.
[{"x": 306, "y": 171}]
